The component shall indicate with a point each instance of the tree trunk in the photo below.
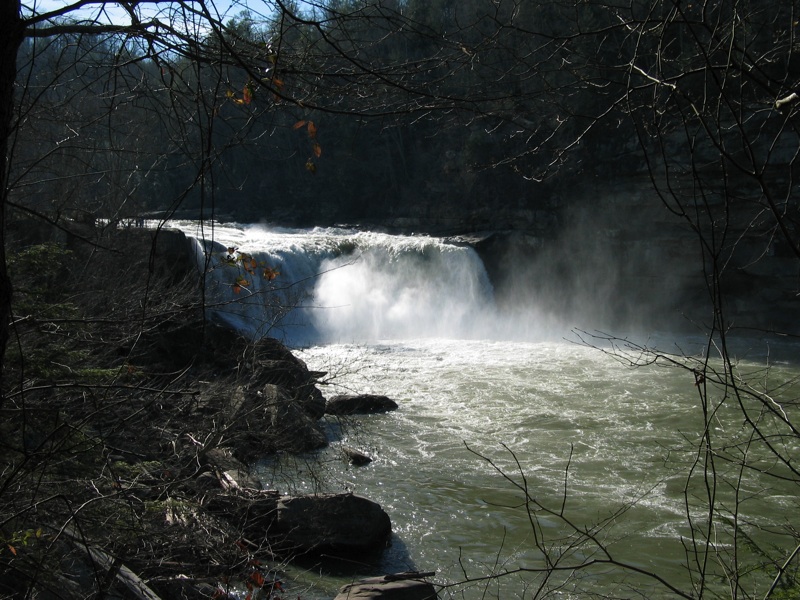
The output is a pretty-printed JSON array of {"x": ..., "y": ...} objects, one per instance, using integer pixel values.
[{"x": 11, "y": 35}]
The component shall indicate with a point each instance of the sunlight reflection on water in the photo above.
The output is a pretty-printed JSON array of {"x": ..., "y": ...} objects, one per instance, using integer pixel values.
[{"x": 622, "y": 432}]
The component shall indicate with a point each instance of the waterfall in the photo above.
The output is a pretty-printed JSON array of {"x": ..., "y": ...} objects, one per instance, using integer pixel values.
[{"x": 328, "y": 285}]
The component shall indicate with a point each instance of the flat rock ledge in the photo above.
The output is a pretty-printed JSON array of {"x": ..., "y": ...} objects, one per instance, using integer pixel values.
[{"x": 400, "y": 586}]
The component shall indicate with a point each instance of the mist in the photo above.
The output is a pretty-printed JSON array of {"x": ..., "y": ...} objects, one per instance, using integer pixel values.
[{"x": 619, "y": 271}]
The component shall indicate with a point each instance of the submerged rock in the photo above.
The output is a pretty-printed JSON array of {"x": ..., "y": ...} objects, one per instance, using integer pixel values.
[{"x": 359, "y": 404}]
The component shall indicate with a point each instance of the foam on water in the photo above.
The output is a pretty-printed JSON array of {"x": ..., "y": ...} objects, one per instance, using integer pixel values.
[{"x": 615, "y": 436}]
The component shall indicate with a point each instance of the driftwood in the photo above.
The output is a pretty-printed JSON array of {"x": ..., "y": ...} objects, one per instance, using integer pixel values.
[
  {"x": 786, "y": 101},
  {"x": 130, "y": 585},
  {"x": 117, "y": 576},
  {"x": 397, "y": 586},
  {"x": 232, "y": 473}
]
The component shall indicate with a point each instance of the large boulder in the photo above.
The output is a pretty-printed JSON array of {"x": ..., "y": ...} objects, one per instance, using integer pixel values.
[
  {"x": 271, "y": 420},
  {"x": 292, "y": 427},
  {"x": 252, "y": 512},
  {"x": 343, "y": 525},
  {"x": 274, "y": 363},
  {"x": 359, "y": 404},
  {"x": 402, "y": 586}
]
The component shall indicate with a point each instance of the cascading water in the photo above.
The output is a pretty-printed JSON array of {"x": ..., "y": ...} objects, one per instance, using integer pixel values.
[
  {"x": 344, "y": 285},
  {"x": 414, "y": 318}
]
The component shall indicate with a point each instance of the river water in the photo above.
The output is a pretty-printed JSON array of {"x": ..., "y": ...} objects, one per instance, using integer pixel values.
[{"x": 515, "y": 438}]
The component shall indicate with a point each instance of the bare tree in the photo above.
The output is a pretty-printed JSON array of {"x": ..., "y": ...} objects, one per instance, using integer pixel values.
[{"x": 698, "y": 96}]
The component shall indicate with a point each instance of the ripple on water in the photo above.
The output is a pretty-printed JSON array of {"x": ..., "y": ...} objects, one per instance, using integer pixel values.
[{"x": 547, "y": 416}]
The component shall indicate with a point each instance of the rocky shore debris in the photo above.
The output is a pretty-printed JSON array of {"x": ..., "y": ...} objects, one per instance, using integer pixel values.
[
  {"x": 230, "y": 473},
  {"x": 398, "y": 586}
]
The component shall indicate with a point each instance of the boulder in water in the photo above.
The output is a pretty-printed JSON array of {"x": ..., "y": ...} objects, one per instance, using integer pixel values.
[
  {"x": 356, "y": 457},
  {"x": 342, "y": 525},
  {"x": 359, "y": 404}
]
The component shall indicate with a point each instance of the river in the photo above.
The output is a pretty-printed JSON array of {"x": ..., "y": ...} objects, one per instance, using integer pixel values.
[{"x": 518, "y": 440}]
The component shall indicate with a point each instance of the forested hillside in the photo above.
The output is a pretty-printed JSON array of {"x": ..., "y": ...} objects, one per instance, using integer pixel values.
[{"x": 491, "y": 108}]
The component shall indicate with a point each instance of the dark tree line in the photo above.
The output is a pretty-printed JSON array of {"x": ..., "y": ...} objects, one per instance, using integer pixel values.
[{"x": 422, "y": 111}]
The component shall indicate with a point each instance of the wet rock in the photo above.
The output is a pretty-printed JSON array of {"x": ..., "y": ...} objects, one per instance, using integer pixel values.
[
  {"x": 359, "y": 404},
  {"x": 342, "y": 525},
  {"x": 356, "y": 457}
]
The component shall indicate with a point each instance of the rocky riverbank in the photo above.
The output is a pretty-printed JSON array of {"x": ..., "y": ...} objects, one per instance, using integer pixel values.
[
  {"x": 131, "y": 479},
  {"x": 182, "y": 465}
]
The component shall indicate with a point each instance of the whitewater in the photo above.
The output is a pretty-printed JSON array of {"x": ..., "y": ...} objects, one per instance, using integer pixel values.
[{"x": 496, "y": 407}]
